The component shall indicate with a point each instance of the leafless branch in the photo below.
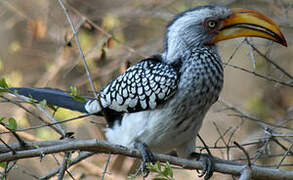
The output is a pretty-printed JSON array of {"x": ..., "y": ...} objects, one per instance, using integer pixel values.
[
  {"x": 106, "y": 166},
  {"x": 82, "y": 156},
  {"x": 269, "y": 60},
  {"x": 107, "y": 34},
  {"x": 99, "y": 146},
  {"x": 285, "y": 155},
  {"x": 27, "y": 110},
  {"x": 48, "y": 125},
  {"x": 268, "y": 78},
  {"x": 20, "y": 141},
  {"x": 79, "y": 48},
  {"x": 10, "y": 149},
  {"x": 250, "y": 117},
  {"x": 64, "y": 166}
]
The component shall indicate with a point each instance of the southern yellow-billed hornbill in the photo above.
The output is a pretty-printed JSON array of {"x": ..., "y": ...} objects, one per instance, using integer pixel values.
[{"x": 161, "y": 101}]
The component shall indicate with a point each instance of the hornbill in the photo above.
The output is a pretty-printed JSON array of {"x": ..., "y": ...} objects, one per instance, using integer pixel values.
[{"x": 158, "y": 104}]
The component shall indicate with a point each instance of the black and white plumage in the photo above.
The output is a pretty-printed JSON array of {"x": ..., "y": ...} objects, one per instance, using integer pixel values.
[
  {"x": 193, "y": 78},
  {"x": 161, "y": 101},
  {"x": 143, "y": 86}
]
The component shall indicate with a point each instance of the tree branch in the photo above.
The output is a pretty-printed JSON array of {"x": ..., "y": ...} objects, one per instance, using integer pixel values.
[{"x": 100, "y": 146}]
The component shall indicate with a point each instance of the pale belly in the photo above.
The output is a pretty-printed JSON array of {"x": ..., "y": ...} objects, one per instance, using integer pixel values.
[{"x": 162, "y": 130}]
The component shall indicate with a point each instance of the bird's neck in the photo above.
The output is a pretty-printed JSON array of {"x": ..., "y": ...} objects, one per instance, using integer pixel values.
[{"x": 177, "y": 50}]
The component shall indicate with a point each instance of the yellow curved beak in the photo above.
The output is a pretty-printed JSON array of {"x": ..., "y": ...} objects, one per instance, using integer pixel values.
[{"x": 249, "y": 23}]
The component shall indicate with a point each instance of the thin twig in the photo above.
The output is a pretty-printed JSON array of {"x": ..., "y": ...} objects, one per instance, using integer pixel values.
[
  {"x": 284, "y": 156},
  {"x": 64, "y": 166},
  {"x": 290, "y": 84},
  {"x": 82, "y": 156},
  {"x": 12, "y": 150},
  {"x": 30, "y": 174},
  {"x": 61, "y": 131},
  {"x": 107, "y": 34},
  {"x": 270, "y": 61},
  {"x": 106, "y": 166},
  {"x": 246, "y": 173},
  {"x": 79, "y": 48},
  {"x": 234, "y": 131},
  {"x": 9, "y": 166},
  {"x": 49, "y": 124},
  {"x": 21, "y": 142},
  {"x": 58, "y": 128},
  {"x": 233, "y": 54},
  {"x": 281, "y": 145},
  {"x": 222, "y": 138},
  {"x": 251, "y": 54},
  {"x": 204, "y": 144},
  {"x": 250, "y": 117},
  {"x": 264, "y": 147},
  {"x": 27, "y": 110},
  {"x": 245, "y": 153}
]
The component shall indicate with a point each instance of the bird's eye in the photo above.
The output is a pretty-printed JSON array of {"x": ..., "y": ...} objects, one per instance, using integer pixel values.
[{"x": 212, "y": 24}]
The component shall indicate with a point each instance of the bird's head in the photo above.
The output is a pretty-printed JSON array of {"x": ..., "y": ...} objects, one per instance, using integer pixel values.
[{"x": 207, "y": 25}]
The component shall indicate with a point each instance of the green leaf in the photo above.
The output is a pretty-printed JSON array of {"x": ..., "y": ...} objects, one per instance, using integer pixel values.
[
  {"x": 31, "y": 99},
  {"x": 3, "y": 164},
  {"x": 79, "y": 99},
  {"x": 68, "y": 160},
  {"x": 11, "y": 123},
  {"x": 1, "y": 119},
  {"x": 131, "y": 176},
  {"x": 165, "y": 172},
  {"x": 73, "y": 91},
  {"x": 43, "y": 103},
  {"x": 153, "y": 167},
  {"x": 169, "y": 169},
  {"x": 160, "y": 178},
  {"x": 158, "y": 164},
  {"x": 162, "y": 174},
  {"x": 3, "y": 90},
  {"x": 75, "y": 95},
  {"x": 3, "y": 85}
]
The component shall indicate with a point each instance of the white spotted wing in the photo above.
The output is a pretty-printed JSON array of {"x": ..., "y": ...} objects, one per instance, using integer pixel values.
[{"x": 143, "y": 86}]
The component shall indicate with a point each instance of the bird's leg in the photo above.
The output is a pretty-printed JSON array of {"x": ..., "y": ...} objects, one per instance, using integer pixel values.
[
  {"x": 147, "y": 157},
  {"x": 208, "y": 164}
]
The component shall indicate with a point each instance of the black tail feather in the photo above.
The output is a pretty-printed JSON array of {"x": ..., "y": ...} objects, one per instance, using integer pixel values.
[{"x": 53, "y": 97}]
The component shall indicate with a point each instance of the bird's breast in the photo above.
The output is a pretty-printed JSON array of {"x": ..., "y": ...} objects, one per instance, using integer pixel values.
[
  {"x": 178, "y": 119},
  {"x": 199, "y": 87},
  {"x": 201, "y": 78}
]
